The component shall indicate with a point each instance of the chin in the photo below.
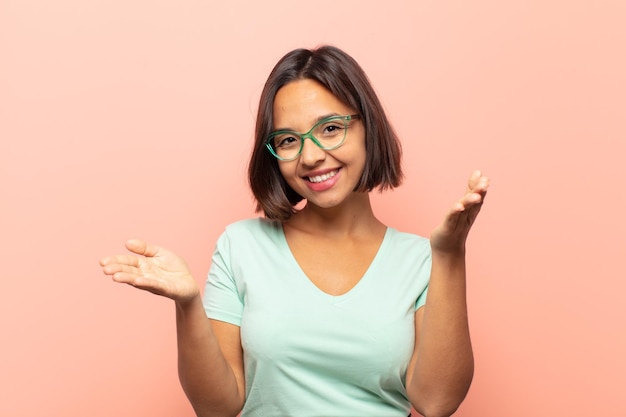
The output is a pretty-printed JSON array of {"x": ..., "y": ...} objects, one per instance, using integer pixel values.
[{"x": 326, "y": 203}]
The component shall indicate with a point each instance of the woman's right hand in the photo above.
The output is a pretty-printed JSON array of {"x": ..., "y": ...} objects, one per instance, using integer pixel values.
[{"x": 153, "y": 269}]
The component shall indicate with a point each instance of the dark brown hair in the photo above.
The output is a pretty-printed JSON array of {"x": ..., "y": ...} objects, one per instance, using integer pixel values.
[{"x": 344, "y": 78}]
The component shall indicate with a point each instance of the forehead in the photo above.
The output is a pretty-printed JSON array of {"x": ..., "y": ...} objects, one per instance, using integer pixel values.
[{"x": 299, "y": 104}]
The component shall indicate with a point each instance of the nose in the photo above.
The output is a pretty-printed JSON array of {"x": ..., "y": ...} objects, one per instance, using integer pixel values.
[{"x": 311, "y": 153}]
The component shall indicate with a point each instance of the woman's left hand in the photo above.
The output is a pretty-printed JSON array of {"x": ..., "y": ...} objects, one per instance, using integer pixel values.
[{"x": 450, "y": 236}]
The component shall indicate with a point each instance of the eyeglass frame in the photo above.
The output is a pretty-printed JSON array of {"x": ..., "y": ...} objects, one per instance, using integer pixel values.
[{"x": 309, "y": 135}]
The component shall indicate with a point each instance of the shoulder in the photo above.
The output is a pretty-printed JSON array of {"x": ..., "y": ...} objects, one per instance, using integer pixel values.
[
  {"x": 246, "y": 244},
  {"x": 410, "y": 256},
  {"x": 407, "y": 241},
  {"x": 255, "y": 226},
  {"x": 254, "y": 233}
]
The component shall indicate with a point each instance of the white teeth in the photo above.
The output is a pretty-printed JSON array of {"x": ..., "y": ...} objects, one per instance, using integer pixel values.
[{"x": 320, "y": 178}]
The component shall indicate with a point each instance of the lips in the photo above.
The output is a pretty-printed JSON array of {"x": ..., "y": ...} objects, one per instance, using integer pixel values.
[
  {"x": 322, "y": 177},
  {"x": 322, "y": 180}
]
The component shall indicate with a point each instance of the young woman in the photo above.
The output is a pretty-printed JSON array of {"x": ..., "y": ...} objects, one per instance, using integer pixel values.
[{"x": 320, "y": 310}]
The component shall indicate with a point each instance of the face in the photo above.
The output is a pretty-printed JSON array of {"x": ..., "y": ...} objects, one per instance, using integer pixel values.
[{"x": 325, "y": 178}]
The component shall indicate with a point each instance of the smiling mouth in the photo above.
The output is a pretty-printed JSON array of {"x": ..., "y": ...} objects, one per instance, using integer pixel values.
[{"x": 322, "y": 178}]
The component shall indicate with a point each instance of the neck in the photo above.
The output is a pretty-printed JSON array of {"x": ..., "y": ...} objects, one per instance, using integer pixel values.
[{"x": 352, "y": 217}]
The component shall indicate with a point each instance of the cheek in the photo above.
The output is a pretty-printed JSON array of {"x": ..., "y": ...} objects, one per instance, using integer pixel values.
[
  {"x": 359, "y": 155},
  {"x": 282, "y": 168},
  {"x": 287, "y": 170}
]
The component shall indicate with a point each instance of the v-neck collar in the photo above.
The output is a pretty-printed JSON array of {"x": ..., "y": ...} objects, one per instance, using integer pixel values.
[{"x": 362, "y": 282}]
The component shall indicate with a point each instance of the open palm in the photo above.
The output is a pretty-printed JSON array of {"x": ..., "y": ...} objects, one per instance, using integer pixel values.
[
  {"x": 451, "y": 234},
  {"x": 153, "y": 269}
]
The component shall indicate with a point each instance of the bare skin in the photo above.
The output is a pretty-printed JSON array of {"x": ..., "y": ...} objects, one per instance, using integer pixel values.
[
  {"x": 340, "y": 220},
  {"x": 442, "y": 366},
  {"x": 210, "y": 359},
  {"x": 210, "y": 355}
]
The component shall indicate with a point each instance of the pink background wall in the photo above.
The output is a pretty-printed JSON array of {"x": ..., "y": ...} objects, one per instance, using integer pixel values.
[{"x": 134, "y": 118}]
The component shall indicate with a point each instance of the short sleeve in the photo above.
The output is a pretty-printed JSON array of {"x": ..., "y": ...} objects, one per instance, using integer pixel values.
[
  {"x": 424, "y": 275},
  {"x": 222, "y": 300},
  {"x": 421, "y": 300}
]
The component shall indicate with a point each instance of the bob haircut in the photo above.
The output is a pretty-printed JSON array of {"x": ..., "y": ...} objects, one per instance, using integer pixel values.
[{"x": 343, "y": 77}]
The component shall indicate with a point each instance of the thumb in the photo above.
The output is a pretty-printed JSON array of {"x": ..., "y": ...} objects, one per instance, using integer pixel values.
[{"x": 141, "y": 247}]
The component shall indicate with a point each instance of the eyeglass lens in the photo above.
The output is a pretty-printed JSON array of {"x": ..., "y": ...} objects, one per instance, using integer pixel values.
[{"x": 328, "y": 134}]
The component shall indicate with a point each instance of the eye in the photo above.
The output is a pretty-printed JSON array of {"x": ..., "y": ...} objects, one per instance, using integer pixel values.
[
  {"x": 285, "y": 141},
  {"x": 332, "y": 128}
]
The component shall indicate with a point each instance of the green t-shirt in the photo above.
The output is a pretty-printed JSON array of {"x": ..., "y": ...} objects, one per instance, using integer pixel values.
[{"x": 308, "y": 353}]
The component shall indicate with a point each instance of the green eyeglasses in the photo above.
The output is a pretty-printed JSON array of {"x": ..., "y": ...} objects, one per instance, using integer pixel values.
[{"x": 328, "y": 134}]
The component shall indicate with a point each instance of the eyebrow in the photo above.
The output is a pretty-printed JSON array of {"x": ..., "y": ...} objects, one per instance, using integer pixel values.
[{"x": 317, "y": 120}]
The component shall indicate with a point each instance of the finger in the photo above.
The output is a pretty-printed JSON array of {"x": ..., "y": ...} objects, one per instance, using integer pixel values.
[
  {"x": 131, "y": 278},
  {"x": 483, "y": 196},
  {"x": 473, "y": 203},
  {"x": 463, "y": 213},
  {"x": 120, "y": 259},
  {"x": 474, "y": 179},
  {"x": 141, "y": 247},
  {"x": 479, "y": 185},
  {"x": 112, "y": 269},
  {"x": 470, "y": 199},
  {"x": 124, "y": 277},
  {"x": 477, "y": 182},
  {"x": 452, "y": 218},
  {"x": 482, "y": 185}
]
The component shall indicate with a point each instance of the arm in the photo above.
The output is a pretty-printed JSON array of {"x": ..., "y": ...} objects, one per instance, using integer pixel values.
[
  {"x": 210, "y": 359},
  {"x": 442, "y": 365},
  {"x": 210, "y": 362}
]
